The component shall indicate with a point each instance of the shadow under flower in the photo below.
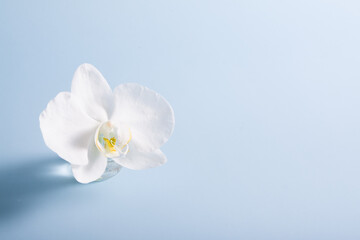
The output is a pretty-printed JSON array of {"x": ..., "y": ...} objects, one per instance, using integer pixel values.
[{"x": 22, "y": 183}]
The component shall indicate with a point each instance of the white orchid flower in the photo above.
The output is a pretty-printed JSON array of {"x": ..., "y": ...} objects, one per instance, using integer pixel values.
[{"x": 92, "y": 124}]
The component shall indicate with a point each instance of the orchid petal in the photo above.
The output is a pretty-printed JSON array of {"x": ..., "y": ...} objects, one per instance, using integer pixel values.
[
  {"x": 94, "y": 93},
  {"x": 67, "y": 130},
  {"x": 94, "y": 169},
  {"x": 137, "y": 160},
  {"x": 148, "y": 115}
]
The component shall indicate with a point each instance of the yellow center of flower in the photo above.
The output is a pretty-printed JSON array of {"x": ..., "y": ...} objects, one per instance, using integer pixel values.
[
  {"x": 112, "y": 141},
  {"x": 110, "y": 144}
]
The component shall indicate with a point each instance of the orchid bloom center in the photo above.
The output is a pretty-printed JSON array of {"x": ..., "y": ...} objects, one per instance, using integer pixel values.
[{"x": 112, "y": 141}]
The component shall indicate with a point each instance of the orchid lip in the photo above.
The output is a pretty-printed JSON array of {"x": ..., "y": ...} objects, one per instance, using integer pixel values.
[{"x": 112, "y": 141}]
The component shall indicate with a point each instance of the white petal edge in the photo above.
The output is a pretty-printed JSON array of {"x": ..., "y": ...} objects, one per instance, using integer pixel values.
[
  {"x": 148, "y": 115},
  {"x": 67, "y": 130},
  {"x": 94, "y": 93},
  {"x": 137, "y": 160},
  {"x": 95, "y": 167}
]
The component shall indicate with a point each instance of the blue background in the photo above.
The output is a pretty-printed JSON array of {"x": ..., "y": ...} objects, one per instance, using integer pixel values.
[{"x": 267, "y": 105}]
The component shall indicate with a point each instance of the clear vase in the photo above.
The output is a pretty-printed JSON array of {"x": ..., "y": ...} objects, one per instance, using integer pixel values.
[{"x": 112, "y": 168}]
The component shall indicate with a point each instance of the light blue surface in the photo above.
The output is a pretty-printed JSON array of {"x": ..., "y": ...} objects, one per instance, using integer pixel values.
[{"x": 267, "y": 105}]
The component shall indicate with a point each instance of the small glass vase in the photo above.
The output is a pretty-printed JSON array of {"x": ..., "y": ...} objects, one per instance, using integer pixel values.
[{"x": 112, "y": 168}]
